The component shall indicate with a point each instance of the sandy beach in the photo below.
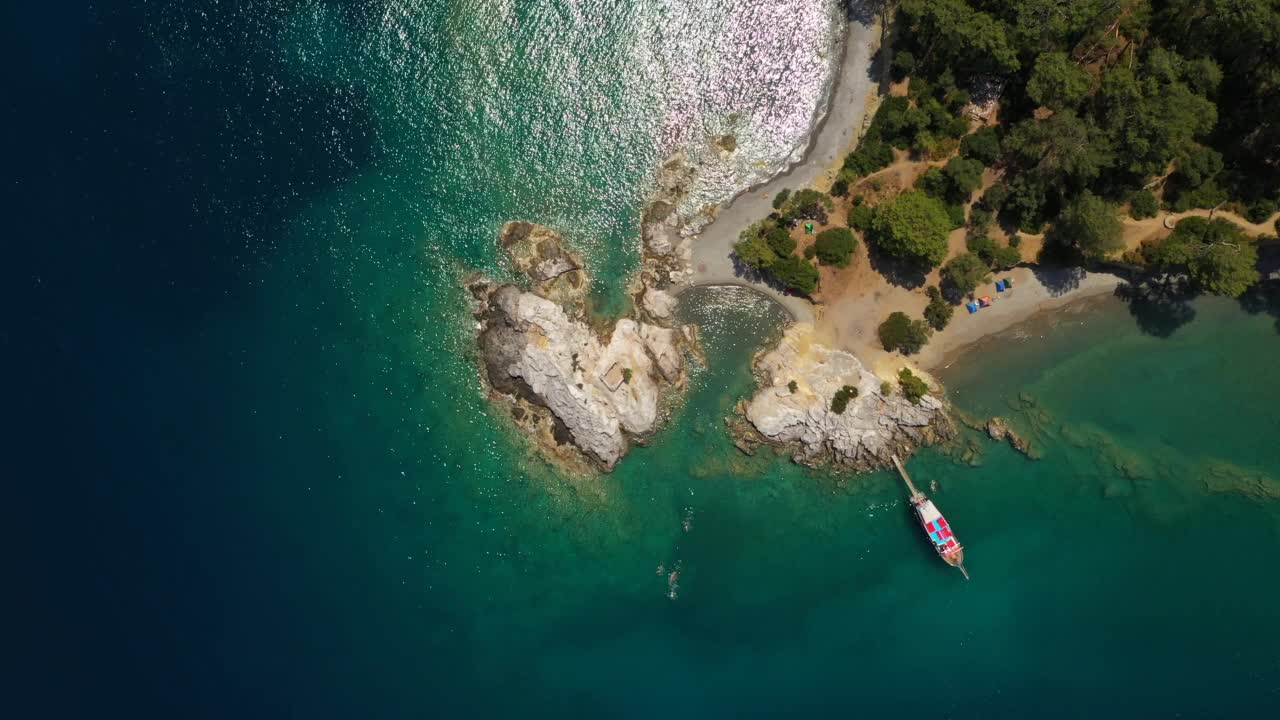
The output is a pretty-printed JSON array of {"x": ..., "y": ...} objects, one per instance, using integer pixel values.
[{"x": 835, "y": 135}]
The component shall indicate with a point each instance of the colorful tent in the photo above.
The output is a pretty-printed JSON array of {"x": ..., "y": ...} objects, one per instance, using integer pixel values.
[
  {"x": 973, "y": 307},
  {"x": 984, "y": 301},
  {"x": 999, "y": 286}
]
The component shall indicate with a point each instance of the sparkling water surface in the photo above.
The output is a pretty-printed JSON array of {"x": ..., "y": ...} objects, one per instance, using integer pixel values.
[{"x": 264, "y": 480}]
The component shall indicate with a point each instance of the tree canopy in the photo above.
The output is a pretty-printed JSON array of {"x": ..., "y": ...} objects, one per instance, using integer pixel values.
[
  {"x": 901, "y": 333},
  {"x": 835, "y": 246},
  {"x": 1091, "y": 225},
  {"x": 914, "y": 227},
  {"x": 1216, "y": 253}
]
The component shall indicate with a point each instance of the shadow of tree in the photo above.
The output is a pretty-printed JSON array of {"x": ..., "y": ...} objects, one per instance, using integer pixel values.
[
  {"x": 865, "y": 11},
  {"x": 1159, "y": 307},
  {"x": 896, "y": 271},
  {"x": 1263, "y": 298},
  {"x": 751, "y": 274},
  {"x": 1058, "y": 280}
]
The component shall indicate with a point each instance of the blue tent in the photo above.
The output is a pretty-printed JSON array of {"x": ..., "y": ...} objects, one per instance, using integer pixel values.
[
  {"x": 999, "y": 286},
  {"x": 973, "y": 307}
]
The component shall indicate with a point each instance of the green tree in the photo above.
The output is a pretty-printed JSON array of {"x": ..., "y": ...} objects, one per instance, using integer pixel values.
[
  {"x": 938, "y": 312},
  {"x": 1091, "y": 225},
  {"x": 914, "y": 227},
  {"x": 904, "y": 64},
  {"x": 754, "y": 251},
  {"x": 901, "y": 333},
  {"x": 779, "y": 239},
  {"x": 842, "y": 397},
  {"x": 781, "y": 198},
  {"x": 913, "y": 387},
  {"x": 1057, "y": 82},
  {"x": 964, "y": 175},
  {"x": 1142, "y": 204},
  {"x": 796, "y": 273},
  {"x": 835, "y": 246},
  {"x": 964, "y": 273},
  {"x": 1063, "y": 150},
  {"x": 983, "y": 145},
  {"x": 1216, "y": 253},
  {"x": 861, "y": 217},
  {"x": 995, "y": 255}
]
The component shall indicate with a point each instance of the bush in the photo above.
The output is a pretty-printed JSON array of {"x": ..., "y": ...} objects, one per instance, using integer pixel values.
[
  {"x": 835, "y": 246},
  {"x": 965, "y": 176},
  {"x": 779, "y": 239},
  {"x": 993, "y": 199},
  {"x": 842, "y": 398},
  {"x": 809, "y": 252},
  {"x": 996, "y": 256},
  {"x": 1142, "y": 204},
  {"x": 781, "y": 198},
  {"x": 1260, "y": 210},
  {"x": 914, "y": 227},
  {"x": 861, "y": 217},
  {"x": 796, "y": 273},
  {"x": 913, "y": 388},
  {"x": 934, "y": 184},
  {"x": 963, "y": 273},
  {"x": 1015, "y": 240},
  {"x": 871, "y": 155},
  {"x": 858, "y": 200},
  {"x": 904, "y": 65},
  {"x": 983, "y": 145},
  {"x": 886, "y": 389},
  {"x": 792, "y": 386},
  {"x": 627, "y": 375},
  {"x": 807, "y": 204},
  {"x": 955, "y": 215},
  {"x": 938, "y": 312},
  {"x": 901, "y": 333},
  {"x": 840, "y": 188}
]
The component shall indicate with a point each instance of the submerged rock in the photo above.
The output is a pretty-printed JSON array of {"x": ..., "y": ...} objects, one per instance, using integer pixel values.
[
  {"x": 873, "y": 425},
  {"x": 569, "y": 386},
  {"x": 998, "y": 429}
]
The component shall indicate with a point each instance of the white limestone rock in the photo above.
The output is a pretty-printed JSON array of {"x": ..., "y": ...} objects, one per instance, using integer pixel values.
[{"x": 872, "y": 427}]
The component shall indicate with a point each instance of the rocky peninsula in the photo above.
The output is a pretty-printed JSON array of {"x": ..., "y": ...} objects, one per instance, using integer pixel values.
[
  {"x": 795, "y": 407},
  {"x": 583, "y": 394}
]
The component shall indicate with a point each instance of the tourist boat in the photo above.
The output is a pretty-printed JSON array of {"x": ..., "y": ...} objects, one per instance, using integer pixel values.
[
  {"x": 935, "y": 526},
  {"x": 939, "y": 532}
]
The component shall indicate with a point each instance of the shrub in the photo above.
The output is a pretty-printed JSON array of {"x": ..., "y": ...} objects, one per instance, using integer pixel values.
[
  {"x": 781, "y": 198},
  {"x": 807, "y": 204},
  {"x": 965, "y": 176},
  {"x": 938, "y": 312},
  {"x": 871, "y": 155},
  {"x": 983, "y": 145},
  {"x": 858, "y": 200},
  {"x": 914, "y": 227},
  {"x": 1015, "y": 240},
  {"x": 809, "y": 252},
  {"x": 885, "y": 388},
  {"x": 955, "y": 215},
  {"x": 963, "y": 273},
  {"x": 626, "y": 375},
  {"x": 796, "y": 273},
  {"x": 779, "y": 239},
  {"x": 901, "y": 333},
  {"x": 1260, "y": 210},
  {"x": 1142, "y": 204},
  {"x": 792, "y": 386},
  {"x": 842, "y": 397},
  {"x": 913, "y": 388},
  {"x": 993, "y": 199},
  {"x": 840, "y": 188},
  {"x": 996, "y": 256},
  {"x": 861, "y": 217},
  {"x": 835, "y": 246}
]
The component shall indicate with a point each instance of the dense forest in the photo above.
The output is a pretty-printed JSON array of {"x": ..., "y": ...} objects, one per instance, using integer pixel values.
[{"x": 1101, "y": 99}]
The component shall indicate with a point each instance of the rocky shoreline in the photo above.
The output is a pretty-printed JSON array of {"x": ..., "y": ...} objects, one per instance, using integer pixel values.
[
  {"x": 584, "y": 396},
  {"x": 793, "y": 408}
]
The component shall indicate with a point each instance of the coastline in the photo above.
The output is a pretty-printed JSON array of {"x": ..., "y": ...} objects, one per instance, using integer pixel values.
[{"x": 834, "y": 134}]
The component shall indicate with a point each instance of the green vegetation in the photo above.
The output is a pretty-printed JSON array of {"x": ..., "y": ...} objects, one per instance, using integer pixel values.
[
  {"x": 1090, "y": 225},
  {"x": 963, "y": 274},
  {"x": 767, "y": 247},
  {"x": 913, "y": 388},
  {"x": 913, "y": 227},
  {"x": 1136, "y": 88},
  {"x": 1216, "y": 253},
  {"x": 806, "y": 204},
  {"x": 840, "y": 188},
  {"x": 835, "y": 246},
  {"x": 886, "y": 389},
  {"x": 842, "y": 398},
  {"x": 626, "y": 375},
  {"x": 901, "y": 333},
  {"x": 1142, "y": 204},
  {"x": 996, "y": 256},
  {"x": 796, "y": 273},
  {"x": 781, "y": 198},
  {"x": 792, "y": 386},
  {"x": 861, "y": 217},
  {"x": 938, "y": 312}
]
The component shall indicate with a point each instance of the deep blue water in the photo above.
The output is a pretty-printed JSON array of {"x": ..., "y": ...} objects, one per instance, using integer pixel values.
[{"x": 250, "y": 472}]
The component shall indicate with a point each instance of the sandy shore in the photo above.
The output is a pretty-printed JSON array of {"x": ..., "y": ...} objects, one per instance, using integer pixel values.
[{"x": 836, "y": 134}]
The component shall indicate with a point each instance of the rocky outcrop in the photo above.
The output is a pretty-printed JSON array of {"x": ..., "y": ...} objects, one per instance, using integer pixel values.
[
  {"x": 574, "y": 390},
  {"x": 873, "y": 426},
  {"x": 998, "y": 429}
]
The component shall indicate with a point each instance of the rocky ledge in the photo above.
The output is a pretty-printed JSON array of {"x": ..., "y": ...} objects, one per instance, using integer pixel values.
[
  {"x": 581, "y": 393},
  {"x": 793, "y": 408}
]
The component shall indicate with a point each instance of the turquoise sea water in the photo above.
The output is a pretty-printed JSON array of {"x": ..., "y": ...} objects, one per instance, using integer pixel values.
[{"x": 259, "y": 477}]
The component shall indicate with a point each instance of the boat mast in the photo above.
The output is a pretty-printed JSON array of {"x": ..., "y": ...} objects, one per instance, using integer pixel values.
[{"x": 916, "y": 495}]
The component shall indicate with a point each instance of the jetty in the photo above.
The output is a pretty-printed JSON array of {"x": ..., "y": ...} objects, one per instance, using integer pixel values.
[{"x": 935, "y": 526}]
